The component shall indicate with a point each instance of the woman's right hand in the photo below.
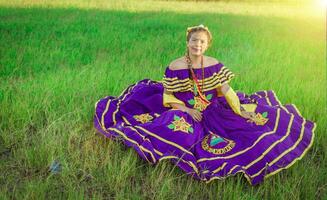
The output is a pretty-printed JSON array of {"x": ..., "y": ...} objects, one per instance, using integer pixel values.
[{"x": 196, "y": 115}]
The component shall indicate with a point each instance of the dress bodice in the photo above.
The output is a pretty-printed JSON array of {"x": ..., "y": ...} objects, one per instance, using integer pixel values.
[{"x": 180, "y": 83}]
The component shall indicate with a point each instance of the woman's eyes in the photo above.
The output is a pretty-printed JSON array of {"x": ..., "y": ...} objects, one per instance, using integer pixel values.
[{"x": 202, "y": 41}]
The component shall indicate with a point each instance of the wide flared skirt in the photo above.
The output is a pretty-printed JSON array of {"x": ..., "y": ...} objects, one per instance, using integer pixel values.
[{"x": 221, "y": 145}]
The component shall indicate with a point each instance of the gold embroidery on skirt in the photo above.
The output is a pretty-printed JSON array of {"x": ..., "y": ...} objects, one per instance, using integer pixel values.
[
  {"x": 180, "y": 124},
  {"x": 143, "y": 118},
  {"x": 208, "y": 147},
  {"x": 259, "y": 119}
]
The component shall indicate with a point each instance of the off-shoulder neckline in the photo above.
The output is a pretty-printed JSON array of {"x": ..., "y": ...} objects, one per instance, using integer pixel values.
[{"x": 210, "y": 66}]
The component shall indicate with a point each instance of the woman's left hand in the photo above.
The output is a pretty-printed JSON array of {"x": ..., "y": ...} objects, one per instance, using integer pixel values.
[{"x": 248, "y": 115}]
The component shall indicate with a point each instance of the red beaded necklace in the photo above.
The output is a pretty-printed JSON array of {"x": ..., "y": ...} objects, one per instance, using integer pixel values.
[{"x": 195, "y": 79}]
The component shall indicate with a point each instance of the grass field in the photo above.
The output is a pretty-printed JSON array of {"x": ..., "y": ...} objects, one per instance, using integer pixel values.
[{"x": 57, "y": 59}]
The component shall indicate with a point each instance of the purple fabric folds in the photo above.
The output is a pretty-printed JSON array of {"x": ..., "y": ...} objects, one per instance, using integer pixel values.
[{"x": 222, "y": 144}]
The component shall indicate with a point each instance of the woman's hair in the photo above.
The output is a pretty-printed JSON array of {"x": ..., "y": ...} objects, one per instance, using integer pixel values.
[{"x": 191, "y": 30}]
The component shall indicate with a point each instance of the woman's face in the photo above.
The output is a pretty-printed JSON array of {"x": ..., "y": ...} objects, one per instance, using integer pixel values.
[{"x": 198, "y": 43}]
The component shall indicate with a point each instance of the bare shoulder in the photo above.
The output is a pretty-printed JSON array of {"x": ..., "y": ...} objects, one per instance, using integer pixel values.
[
  {"x": 179, "y": 63},
  {"x": 210, "y": 61}
]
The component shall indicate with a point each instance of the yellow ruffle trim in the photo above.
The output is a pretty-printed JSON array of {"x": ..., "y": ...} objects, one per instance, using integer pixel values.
[
  {"x": 170, "y": 98},
  {"x": 182, "y": 85}
]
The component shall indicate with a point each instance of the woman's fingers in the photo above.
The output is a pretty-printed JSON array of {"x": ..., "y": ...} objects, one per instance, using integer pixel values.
[
  {"x": 252, "y": 115},
  {"x": 249, "y": 115},
  {"x": 199, "y": 115},
  {"x": 194, "y": 117},
  {"x": 244, "y": 114}
]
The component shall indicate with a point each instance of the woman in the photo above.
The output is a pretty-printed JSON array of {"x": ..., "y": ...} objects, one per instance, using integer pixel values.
[{"x": 194, "y": 118}]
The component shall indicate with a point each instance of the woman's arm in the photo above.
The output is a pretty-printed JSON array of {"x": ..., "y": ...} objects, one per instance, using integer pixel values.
[
  {"x": 169, "y": 100},
  {"x": 234, "y": 101},
  {"x": 231, "y": 98}
]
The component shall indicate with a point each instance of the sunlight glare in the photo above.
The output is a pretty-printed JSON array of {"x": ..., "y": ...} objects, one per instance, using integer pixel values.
[{"x": 322, "y": 3}]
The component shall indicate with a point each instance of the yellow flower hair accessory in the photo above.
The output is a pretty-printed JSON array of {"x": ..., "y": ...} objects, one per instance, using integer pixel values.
[{"x": 201, "y": 26}]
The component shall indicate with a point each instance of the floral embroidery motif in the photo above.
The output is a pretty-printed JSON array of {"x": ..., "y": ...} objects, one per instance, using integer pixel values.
[
  {"x": 216, "y": 144},
  {"x": 180, "y": 124},
  {"x": 198, "y": 103},
  {"x": 260, "y": 119},
  {"x": 143, "y": 118}
]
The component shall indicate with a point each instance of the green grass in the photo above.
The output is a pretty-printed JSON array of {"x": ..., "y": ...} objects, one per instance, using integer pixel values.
[{"x": 57, "y": 59}]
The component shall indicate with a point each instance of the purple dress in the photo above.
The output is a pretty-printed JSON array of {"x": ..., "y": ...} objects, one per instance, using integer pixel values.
[{"x": 222, "y": 144}]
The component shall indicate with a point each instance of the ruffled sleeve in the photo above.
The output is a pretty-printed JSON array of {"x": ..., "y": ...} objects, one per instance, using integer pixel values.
[
  {"x": 176, "y": 80},
  {"x": 220, "y": 75},
  {"x": 179, "y": 81},
  {"x": 171, "y": 82}
]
